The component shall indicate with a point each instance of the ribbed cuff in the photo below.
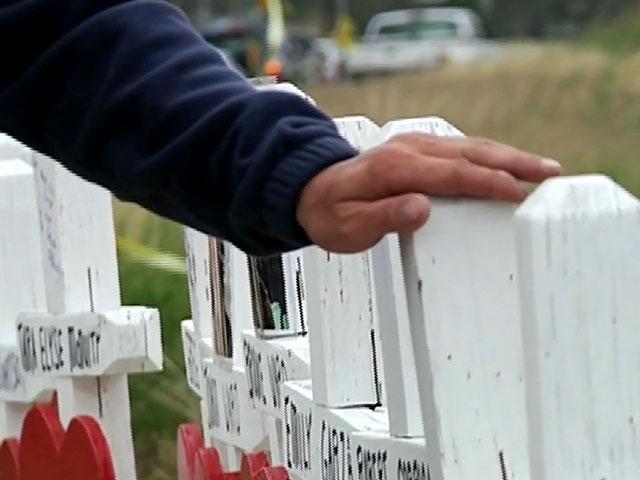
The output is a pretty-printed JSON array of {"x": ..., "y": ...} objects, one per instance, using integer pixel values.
[{"x": 288, "y": 179}]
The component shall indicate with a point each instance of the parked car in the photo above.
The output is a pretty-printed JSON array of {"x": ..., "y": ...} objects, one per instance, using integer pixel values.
[{"x": 419, "y": 38}]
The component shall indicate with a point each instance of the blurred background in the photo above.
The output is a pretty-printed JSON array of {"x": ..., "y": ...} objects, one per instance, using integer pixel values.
[{"x": 557, "y": 77}]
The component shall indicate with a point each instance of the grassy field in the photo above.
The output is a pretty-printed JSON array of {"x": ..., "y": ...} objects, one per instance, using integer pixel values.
[{"x": 578, "y": 104}]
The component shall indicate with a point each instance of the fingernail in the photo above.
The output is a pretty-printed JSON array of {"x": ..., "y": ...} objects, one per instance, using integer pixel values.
[
  {"x": 551, "y": 165},
  {"x": 412, "y": 210}
]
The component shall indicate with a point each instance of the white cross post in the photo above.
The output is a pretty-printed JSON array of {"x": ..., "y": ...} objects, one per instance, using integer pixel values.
[
  {"x": 461, "y": 280},
  {"x": 86, "y": 341},
  {"x": 230, "y": 421},
  {"x": 341, "y": 314},
  {"x": 399, "y": 453},
  {"x": 578, "y": 241},
  {"x": 21, "y": 288},
  {"x": 405, "y": 418}
]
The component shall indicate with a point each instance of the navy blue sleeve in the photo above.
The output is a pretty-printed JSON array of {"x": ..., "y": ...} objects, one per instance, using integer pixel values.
[{"x": 127, "y": 95}]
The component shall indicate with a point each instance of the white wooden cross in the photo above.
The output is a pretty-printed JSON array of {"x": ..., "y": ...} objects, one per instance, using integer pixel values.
[
  {"x": 86, "y": 341},
  {"x": 579, "y": 269},
  {"x": 219, "y": 286},
  {"x": 461, "y": 279},
  {"x": 405, "y": 418},
  {"x": 341, "y": 313}
]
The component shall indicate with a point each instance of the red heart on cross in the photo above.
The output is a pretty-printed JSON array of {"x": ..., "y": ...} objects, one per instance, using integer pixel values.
[
  {"x": 9, "y": 459},
  {"x": 85, "y": 452},
  {"x": 40, "y": 442}
]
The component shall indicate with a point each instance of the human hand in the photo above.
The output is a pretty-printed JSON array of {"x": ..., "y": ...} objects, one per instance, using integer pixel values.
[{"x": 351, "y": 205}]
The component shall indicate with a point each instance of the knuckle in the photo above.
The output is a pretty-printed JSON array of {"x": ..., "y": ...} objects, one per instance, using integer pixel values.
[
  {"x": 387, "y": 159},
  {"x": 452, "y": 175},
  {"x": 345, "y": 224},
  {"x": 403, "y": 138},
  {"x": 483, "y": 142}
]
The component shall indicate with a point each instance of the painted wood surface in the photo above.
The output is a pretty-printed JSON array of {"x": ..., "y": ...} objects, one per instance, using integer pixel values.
[
  {"x": 430, "y": 125},
  {"x": 229, "y": 415},
  {"x": 379, "y": 456},
  {"x": 341, "y": 322},
  {"x": 332, "y": 449},
  {"x": 461, "y": 279},
  {"x": 80, "y": 274},
  {"x": 21, "y": 287},
  {"x": 90, "y": 344},
  {"x": 578, "y": 258},
  {"x": 273, "y": 428},
  {"x": 270, "y": 363},
  {"x": 298, "y": 418},
  {"x": 403, "y": 403},
  {"x": 359, "y": 131},
  {"x": 199, "y": 274},
  {"x": 193, "y": 356},
  {"x": 11, "y": 149},
  {"x": 341, "y": 313},
  {"x": 405, "y": 417},
  {"x": 77, "y": 240}
]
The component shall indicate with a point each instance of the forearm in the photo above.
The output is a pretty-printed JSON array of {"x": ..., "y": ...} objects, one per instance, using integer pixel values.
[{"x": 128, "y": 95}]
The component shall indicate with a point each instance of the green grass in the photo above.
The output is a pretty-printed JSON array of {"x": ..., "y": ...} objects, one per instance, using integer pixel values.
[{"x": 160, "y": 401}]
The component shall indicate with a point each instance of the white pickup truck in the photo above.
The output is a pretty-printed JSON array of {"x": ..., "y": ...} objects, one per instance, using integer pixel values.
[{"x": 420, "y": 38}]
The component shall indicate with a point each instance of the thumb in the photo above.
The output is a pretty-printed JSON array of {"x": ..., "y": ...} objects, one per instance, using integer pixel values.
[{"x": 400, "y": 214}]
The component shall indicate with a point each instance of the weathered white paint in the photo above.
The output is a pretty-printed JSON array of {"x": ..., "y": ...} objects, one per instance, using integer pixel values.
[
  {"x": 230, "y": 456},
  {"x": 341, "y": 322},
  {"x": 90, "y": 344},
  {"x": 80, "y": 272},
  {"x": 379, "y": 456},
  {"x": 460, "y": 276},
  {"x": 431, "y": 125},
  {"x": 273, "y": 428},
  {"x": 21, "y": 285},
  {"x": 358, "y": 130},
  {"x": 241, "y": 314},
  {"x": 298, "y": 411},
  {"x": 341, "y": 311},
  {"x": 193, "y": 356},
  {"x": 578, "y": 258},
  {"x": 78, "y": 241},
  {"x": 331, "y": 445},
  {"x": 229, "y": 415},
  {"x": 199, "y": 274},
  {"x": 405, "y": 417},
  {"x": 11, "y": 149},
  {"x": 270, "y": 363}
]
